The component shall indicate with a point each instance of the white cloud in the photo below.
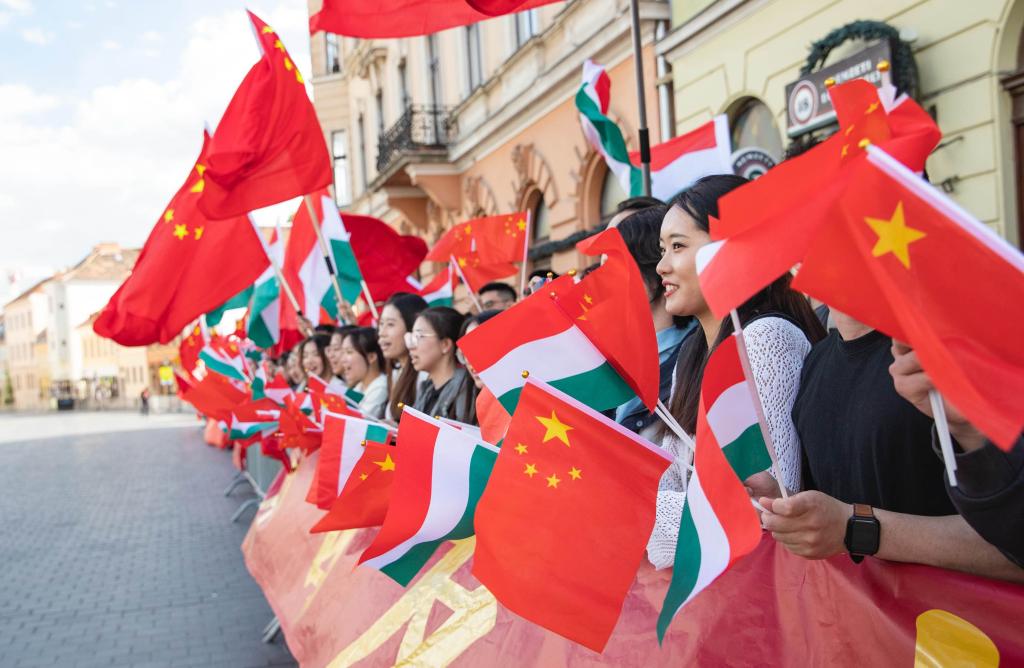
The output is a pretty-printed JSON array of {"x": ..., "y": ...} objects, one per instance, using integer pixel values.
[
  {"x": 151, "y": 36},
  {"x": 17, "y": 6},
  {"x": 109, "y": 45},
  {"x": 37, "y": 36},
  {"x": 107, "y": 172}
]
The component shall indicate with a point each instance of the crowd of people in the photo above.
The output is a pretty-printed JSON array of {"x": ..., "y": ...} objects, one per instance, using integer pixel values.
[{"x": 846, "y": 407}]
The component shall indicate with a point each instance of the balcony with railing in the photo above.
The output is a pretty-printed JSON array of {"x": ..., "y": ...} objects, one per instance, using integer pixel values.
[{"x": 422, "y": 131}]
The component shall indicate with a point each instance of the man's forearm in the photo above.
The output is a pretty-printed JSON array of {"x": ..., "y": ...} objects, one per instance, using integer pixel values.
[{"x": 946, "y": 542}]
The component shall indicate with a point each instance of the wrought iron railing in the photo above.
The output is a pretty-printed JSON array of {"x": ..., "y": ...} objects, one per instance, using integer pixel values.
[{"x": 420, "y": 127}]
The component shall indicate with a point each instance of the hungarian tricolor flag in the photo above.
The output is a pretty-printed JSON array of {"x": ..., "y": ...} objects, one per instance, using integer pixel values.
[
  {"x": 253, "y": 420},
  {"x": 340, "y": 449},
  {"x": 675, "y": 164},
  {"x": 766, "y": 226},
  {"x": 402, "y": 18},
  {"x": 610, "y": 306},
  {"x": 565, "y": 518},
  {"x": 535, "y": 338},
  {"x": 905, "y": 259},
  {"x": 435, "y": 493},
  {"x": 731, "y": 413},
  {"x": 440, "y": 291},
  {"x": 222, "y": 356},
  {"x": 363, "y": 501},
  {"x": 719, "y": 525},
  {"x": 188, "y": 266},
  {"x": 264, "y": 326},
  {"x": 269, "y": 146},
  {"x": 241, "y": 300}
]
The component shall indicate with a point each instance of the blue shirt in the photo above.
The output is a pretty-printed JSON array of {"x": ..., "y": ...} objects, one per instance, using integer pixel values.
[{"x": 668, "y": 340}]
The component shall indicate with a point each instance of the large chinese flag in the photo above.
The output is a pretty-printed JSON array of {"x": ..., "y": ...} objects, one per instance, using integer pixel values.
[
  {"x": 904, "y": 259},
  {"x": 188, "y": 266},
  {"x": 610, "y": 306},
  {"x": 765, "y": 227},
  {"x": 363, "y": 501},
  {"x": 562, "y": 526},
  {"x": 407, "y": 18},
  {"x": 269, "y": 146}
]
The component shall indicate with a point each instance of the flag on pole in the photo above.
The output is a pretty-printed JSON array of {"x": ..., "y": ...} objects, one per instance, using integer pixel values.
[
  {"x": 223, "y": 357},
  {"x": 536, "y": 339},
  {"x": 189, "y": 349},
  {"x": 241, "y": 300},
  {"x": 340, "y": 449},
  {"x": 187, "y": 267},
  {"x": 675, "y": 164},
  {"x": 344, "y": 258},
  {"x": 400, "y": 18},
  {"x": 443, "y": 473},
  {"x": 264, "y": 327},
  {"x": 439, "y": 292},
  {"x": 214, "y": 395},
  {"x": 277, "y": 389},
  {"x": 308, "y": 275},
  {"x": 363, "y": 501},
  {"x": 719, "y": 525},
  {"x": 386, "y": 258},
  {"x": 253, "y": 419},
  {"x": 269, "y": 146},
  {"x": 565, "y": 518},
  {"x": 903, "y": 258}
]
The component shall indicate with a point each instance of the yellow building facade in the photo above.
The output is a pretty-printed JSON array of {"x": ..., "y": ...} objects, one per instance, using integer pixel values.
[{"x": 729, "y": 56}]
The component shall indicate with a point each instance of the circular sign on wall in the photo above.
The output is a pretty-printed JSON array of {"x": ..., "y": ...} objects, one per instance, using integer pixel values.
[
  {"x": 803, "y": 103},
  {"x": 751, "y": 162}
]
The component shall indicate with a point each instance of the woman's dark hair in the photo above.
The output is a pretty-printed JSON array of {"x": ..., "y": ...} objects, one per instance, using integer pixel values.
[
  {"x": 641, "y": 233},
  {"x": 445, "y": 321},
  {"x": 343, "y": 330},
  {"x": 403, "y": 389},
  {"x": 701, "y": 202},
  {"x": 320, "y": 341},
  {"x": 478, "y": 319},
  {"x": 469, "y": 397},
  {"x": 364, "y": 341}
]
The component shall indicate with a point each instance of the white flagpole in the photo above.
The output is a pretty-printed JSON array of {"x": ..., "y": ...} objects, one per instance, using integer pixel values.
[
  {"x": 526, "y": 253},
  {"x": 741, "y": 346},
  {"x": 476, "y": 302},
  {"x": 325, "y": 249},
  {"x": 945, "y": 441}
]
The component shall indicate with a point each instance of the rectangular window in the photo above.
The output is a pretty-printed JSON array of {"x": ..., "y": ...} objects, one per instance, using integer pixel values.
[
  {"x": 362, "y": 151},
  {"x": 333, "y": 62},
  {"x": 527, "y": 26},
  {"x": 379, "y": 108},
  {"x": 474, "y": 57},
  {"x": 403, "y": 84},
  {"x": 339, "y": 151},
  {"x": 434, "y": 70}
]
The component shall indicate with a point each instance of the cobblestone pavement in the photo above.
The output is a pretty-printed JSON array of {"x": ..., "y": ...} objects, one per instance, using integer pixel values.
[{"x": 117, "y": 548}]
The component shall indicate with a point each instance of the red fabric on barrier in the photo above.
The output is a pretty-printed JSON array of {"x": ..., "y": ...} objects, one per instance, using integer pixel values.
[{"x": 772, "y": 608}]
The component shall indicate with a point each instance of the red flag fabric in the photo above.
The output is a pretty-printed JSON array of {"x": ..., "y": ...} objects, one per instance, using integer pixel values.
[
  {"x": 189, "y": 265},
  {"x": 610, "y": 306},
  {"x": 402, "y": 18},
  {"x": 767, "y": 224},
  {"x": 477, "y": 274},
  {"x": 492, "y": 416},
  {"x": 214, "y": 395},
  {"x": 269, "y": 146},
  {"x": 189, "y": 348},
  {"x": 297, "y": 430},
  {"x": 363, "y": 501},
  {"x": 386, "y": 258},
  {"x": 905, "y": 260},
  {"x": 595, "y": 485},
  {"x": 496, "y": 239}
]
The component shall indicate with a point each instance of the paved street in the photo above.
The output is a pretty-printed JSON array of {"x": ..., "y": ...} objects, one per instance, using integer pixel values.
[{"x": 117, "y": 548}]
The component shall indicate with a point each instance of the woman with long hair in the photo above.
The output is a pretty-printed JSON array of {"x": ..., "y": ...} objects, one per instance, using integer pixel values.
[
  {"x": 448, "y": 390},
  {"x": 333, "y": 350},
  {"x": 779, "y": 327},
  {"x": 468, "y": 325},
  {"x": 313, "y": 357},
  {"x": 362, "y": 369},
  {"x": 396, "y": 320}
]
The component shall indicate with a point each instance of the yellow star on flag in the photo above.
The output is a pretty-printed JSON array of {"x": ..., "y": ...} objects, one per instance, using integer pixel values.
[
  {"x": 588, "y": 299},
  {"x": 553, "y": 480},
  {"x": 872, "y": 108},
  {"x": 521, "y": 225},
  {"x": 530, "y": 470},
  {"x": 168, "y": 215},
  {"x": 555, "y": 429},
  {"x": 267, "y": 30},
  {"x": 575, "y": 473},
  {"x": 199, "y": 233},
  {"x": 521, "y": 449},
  {"x": 462, "y": 262},
  {"x": 894, "y": 236},
  {"x": 363, "y": 476},
  {"x": 181, "y": 231},
  {"x": 388, "y": 464},
  {"x": 468, "y": 229}
]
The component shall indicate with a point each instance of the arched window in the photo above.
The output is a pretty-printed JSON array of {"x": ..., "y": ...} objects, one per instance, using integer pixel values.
[
  {"x": 753, "y": 126},
  {"x": 541, "y": 221},
  {"x": 611, "y": 194}
]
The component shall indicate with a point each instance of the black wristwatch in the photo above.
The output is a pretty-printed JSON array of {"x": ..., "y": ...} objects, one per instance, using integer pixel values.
[{"x": 862, "y": 533}]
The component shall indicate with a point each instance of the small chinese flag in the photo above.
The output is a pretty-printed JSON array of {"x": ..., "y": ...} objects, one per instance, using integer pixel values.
[
  {"x": 363, "y": 501},
  {"x": 563, "y": 523}
]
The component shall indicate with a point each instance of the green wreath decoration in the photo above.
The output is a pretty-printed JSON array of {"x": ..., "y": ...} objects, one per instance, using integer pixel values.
[{"x": 904, "y": 67}]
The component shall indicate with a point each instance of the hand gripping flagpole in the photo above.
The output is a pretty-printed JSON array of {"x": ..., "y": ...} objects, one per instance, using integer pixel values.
[
  {"x": 638, "y": 65},
  {"x": 741, "y": 347},
  {"x": 314, "y": 220}
]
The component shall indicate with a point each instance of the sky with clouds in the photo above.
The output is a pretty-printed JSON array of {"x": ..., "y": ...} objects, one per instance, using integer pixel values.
[{"x": 102, "y": 106}]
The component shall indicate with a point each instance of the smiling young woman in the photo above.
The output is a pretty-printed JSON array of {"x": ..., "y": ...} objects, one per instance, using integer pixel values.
[{"x": 779, "y": 327}]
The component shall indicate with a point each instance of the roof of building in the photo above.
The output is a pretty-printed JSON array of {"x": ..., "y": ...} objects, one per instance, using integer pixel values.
[
  {"x": 105, "y": 262},
  {"x": 35, "y": 287}
]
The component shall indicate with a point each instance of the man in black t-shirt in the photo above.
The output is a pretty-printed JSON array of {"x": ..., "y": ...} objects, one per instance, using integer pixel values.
[{"x": 874, "y": 485}]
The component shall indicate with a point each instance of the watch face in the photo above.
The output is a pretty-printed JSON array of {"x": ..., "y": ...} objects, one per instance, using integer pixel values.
[{"x": 864, "y": 535}]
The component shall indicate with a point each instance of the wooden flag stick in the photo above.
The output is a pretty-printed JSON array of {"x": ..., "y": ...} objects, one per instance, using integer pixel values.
[
  {"x": 741, "y": 346},
  {"x": 277, "y": 271},
  {"x": 526, "y": 254},
  {"x": 945, "y": 441},
  {"x": 369, "y": 300},
  {"x": 315, "y": 222},
  {"x": 472, "y": 296}
]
